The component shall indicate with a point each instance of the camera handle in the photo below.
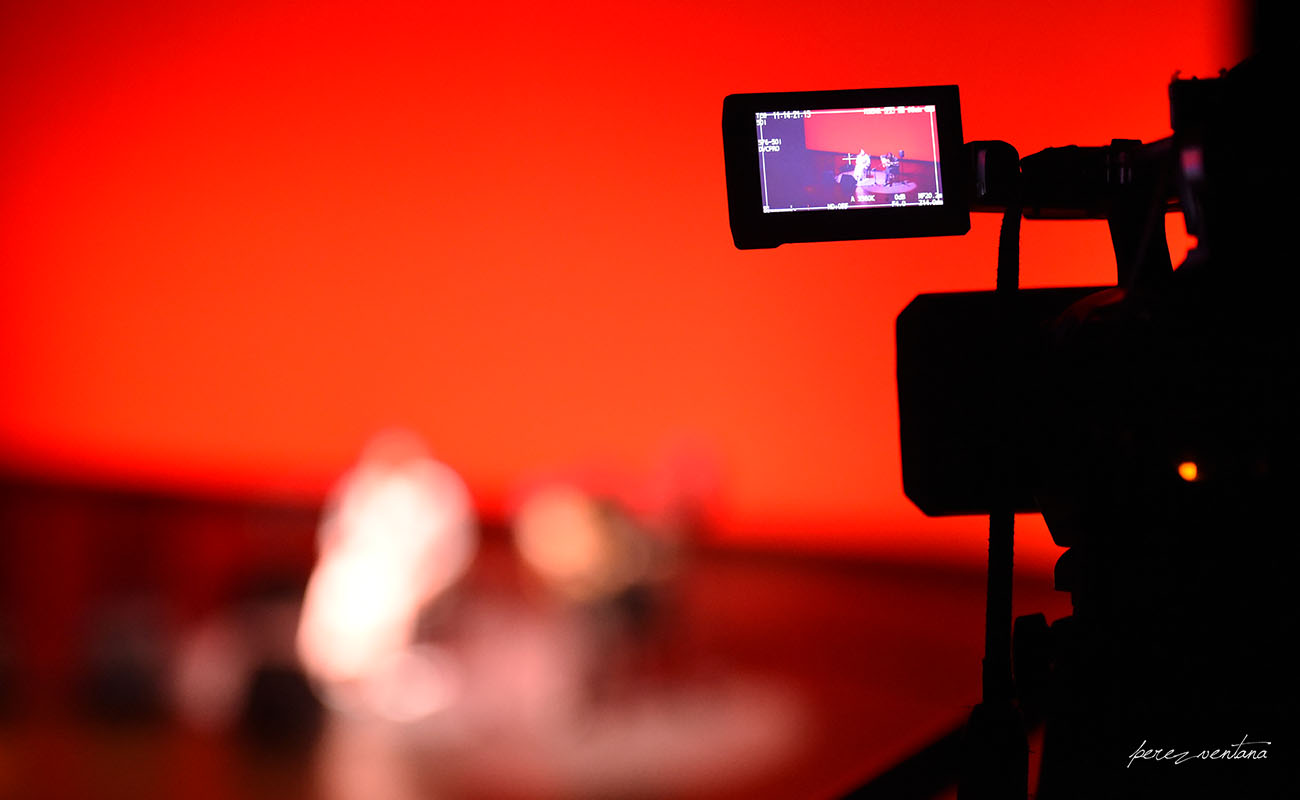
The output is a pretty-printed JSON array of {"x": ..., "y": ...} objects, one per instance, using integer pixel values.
[
  {"x": 991, "y": 754},
  {"x": 997, "y": 677},
  {"x": 1141, "y": 185},
  {"x": 995, "y": 752}
]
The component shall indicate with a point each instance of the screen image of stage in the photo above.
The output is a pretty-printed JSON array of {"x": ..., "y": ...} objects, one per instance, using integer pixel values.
[{"x": 834, "y": 159}]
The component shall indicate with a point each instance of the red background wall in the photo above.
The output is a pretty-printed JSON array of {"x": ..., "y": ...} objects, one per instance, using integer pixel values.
[
  {"x": 237, "y": 237},
  {"x": 849, "y": 133}
]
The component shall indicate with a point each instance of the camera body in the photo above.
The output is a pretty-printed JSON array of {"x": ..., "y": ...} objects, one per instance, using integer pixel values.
[{"x": 1152, "y": 423}]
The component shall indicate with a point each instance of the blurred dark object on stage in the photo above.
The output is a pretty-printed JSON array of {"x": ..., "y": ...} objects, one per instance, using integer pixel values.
[{"x": 147, "y": 651}]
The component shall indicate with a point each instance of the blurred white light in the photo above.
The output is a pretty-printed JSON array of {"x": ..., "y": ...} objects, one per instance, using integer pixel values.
[{"x": 398, "y": 531}]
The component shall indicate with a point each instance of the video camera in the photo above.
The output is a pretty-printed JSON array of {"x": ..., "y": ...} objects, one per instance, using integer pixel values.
[{"x": 1152, "y": 422}]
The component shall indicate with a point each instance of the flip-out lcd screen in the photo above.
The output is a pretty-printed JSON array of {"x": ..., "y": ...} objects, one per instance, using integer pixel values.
[{"x": 855, "y": 164}]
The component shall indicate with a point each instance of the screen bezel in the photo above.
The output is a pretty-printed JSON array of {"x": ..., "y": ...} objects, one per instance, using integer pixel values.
[{"x": 751, "y": 228}]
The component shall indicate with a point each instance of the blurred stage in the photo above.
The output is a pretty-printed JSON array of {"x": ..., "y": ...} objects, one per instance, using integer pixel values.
[{"x": 761, "y": 674}]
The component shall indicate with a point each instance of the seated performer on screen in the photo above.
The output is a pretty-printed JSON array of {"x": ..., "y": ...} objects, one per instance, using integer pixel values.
[{"x": 894, "y": 173}]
